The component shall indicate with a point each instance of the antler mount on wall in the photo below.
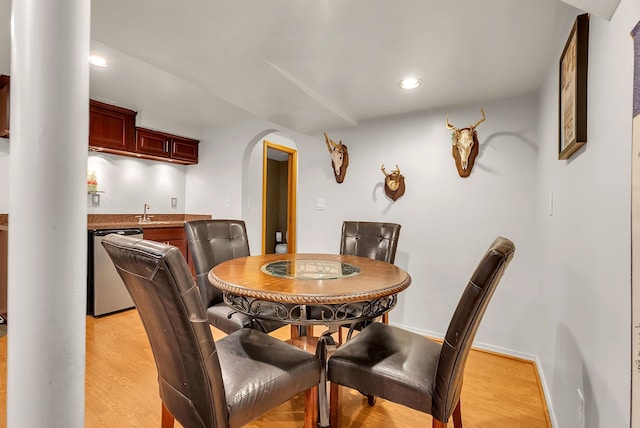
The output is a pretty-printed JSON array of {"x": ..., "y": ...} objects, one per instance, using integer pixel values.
[
  {"x": 393, "y": 183},
  {"x": 339, "y": 158},
  {"x": 464, "y": 145}
]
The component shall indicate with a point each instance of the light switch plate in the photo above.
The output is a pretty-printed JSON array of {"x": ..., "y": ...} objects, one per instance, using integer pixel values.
[
  {"x": 174, "y": 202},
  {"x": 320, "y": 204},
  {"x": 95, "y": 199}
]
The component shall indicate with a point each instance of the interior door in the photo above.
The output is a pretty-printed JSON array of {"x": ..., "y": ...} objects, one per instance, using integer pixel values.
[{"x": 279, "y": 169}]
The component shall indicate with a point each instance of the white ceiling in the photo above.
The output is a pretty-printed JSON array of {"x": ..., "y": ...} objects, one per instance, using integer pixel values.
[{"x": 313, "y": 65}]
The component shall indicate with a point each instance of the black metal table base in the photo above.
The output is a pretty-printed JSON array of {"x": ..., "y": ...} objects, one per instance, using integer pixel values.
[{"x": 311, "y": 313}]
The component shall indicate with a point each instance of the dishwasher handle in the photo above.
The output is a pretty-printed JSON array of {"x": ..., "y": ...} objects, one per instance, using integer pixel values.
[{"x": 105, "y": 232}]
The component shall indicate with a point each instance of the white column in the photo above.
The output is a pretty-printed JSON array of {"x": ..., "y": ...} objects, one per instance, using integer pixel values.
[{"x": 47, "y": 213}]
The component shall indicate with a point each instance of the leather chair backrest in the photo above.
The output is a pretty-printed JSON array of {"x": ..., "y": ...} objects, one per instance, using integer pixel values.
[
  {"x": 374, "y": 240},
  {"x": 160, "y": 283},
  {"x": 212, "y": 242},
  {"x": 464, "y": 324}
]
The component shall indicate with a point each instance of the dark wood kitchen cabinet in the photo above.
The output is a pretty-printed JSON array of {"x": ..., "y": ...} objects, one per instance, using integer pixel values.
[
  {"x": 4, "y": 105},
  {"x": 175, "y": 236},
  {"x": 161, "y": 144},
  {"x": 184, "y": 149},
  {"x": 152, "y": 143},
  {"x": 112, "y": 129}
]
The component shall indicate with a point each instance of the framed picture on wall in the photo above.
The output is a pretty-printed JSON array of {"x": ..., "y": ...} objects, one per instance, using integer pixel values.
[
  {"x": 573, "y": 90},
  {"x": 635, "y": 233}
]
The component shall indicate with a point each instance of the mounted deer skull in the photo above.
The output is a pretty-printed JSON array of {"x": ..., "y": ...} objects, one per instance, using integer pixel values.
[
  {"x": 465, "y": 146},
  {"x": 393, "y": 183},
  {"x": 339, "y": 158}
]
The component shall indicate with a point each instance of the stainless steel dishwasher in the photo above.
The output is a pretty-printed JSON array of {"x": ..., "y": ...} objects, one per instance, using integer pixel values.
[{"x": 106, "y": 292}]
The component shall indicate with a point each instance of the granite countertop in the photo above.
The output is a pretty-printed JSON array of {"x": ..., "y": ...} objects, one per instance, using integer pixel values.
[{"x": 122, "y": 221}]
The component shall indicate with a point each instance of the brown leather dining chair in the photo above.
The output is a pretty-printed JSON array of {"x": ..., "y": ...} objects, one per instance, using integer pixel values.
[
  {"x": 207, "y": 384},
  {"x": 409, "y": 369},
  {"x": 212, "y": 242},
  {"x": 374, "y": 240}
]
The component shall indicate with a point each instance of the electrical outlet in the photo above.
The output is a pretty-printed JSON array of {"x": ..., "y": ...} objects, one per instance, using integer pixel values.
[
  {"x": 580, "y": 414},
  {"x": 174, "y": 202}
]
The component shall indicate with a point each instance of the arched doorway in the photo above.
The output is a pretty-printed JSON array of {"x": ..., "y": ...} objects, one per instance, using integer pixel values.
[
  {"x": 252, "y": 188},
  {"x": 279, "y": 169}
]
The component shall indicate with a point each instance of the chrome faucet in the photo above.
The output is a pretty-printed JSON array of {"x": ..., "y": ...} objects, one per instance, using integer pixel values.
[{"x": 144, "y": 218}]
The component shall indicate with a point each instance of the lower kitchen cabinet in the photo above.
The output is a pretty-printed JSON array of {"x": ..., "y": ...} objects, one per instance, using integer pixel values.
[{"x": 173, "y": 236}]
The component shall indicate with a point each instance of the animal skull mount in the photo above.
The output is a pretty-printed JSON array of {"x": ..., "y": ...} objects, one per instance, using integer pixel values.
[
  {"x": 393, "y": 183},
  {"x": 339, "y": 158},
  {"x": 464, "y": 146}
]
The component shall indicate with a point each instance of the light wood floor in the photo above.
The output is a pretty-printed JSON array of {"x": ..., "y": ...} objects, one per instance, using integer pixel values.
[{"x": 122, "y": 389}]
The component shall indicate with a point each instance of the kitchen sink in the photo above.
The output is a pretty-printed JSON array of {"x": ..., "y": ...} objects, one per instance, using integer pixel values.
[{"x": 158, "y": 222}]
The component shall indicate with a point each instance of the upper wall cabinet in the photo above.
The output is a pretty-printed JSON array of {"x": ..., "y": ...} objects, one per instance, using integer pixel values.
[
  {"x": 4, "y": 106},
  {"x": 152, "y": 143},
  {"x": 184, "y": 149},
  {"x": 166, "y": 146},
  {"x": 112, "y": 129}
]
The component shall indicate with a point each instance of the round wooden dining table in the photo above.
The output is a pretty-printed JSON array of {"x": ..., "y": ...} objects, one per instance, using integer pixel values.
[
  {"x": 310, "y": 289},
  {"x": 307, "y": 289}
]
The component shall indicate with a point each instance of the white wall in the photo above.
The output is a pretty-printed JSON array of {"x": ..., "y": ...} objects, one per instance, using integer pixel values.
[
  {"x": 227, "y": 182},
  {"x": 215, "y": 185},
  {"x": 447, "y": 221},
  {"x": 128, "y": 183},
  {"x": 584, "y": 269}
]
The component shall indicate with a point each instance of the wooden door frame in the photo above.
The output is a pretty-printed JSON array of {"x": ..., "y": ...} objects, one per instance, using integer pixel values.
[{"x": 292, "y": 180}]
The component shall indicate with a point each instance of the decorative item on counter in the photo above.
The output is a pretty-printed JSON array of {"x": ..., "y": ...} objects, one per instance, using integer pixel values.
[
  {"x": 464, "y": 146},
  {"x": 339, "y": 158},
  {"x": 92, "y": 181},
  {"x": 393, "y": 183}
]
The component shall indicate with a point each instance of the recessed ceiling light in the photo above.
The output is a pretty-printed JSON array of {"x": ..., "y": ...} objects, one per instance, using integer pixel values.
[
  {"x": 98, "y": 61},
  {"x": 410, "y": 83}
]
